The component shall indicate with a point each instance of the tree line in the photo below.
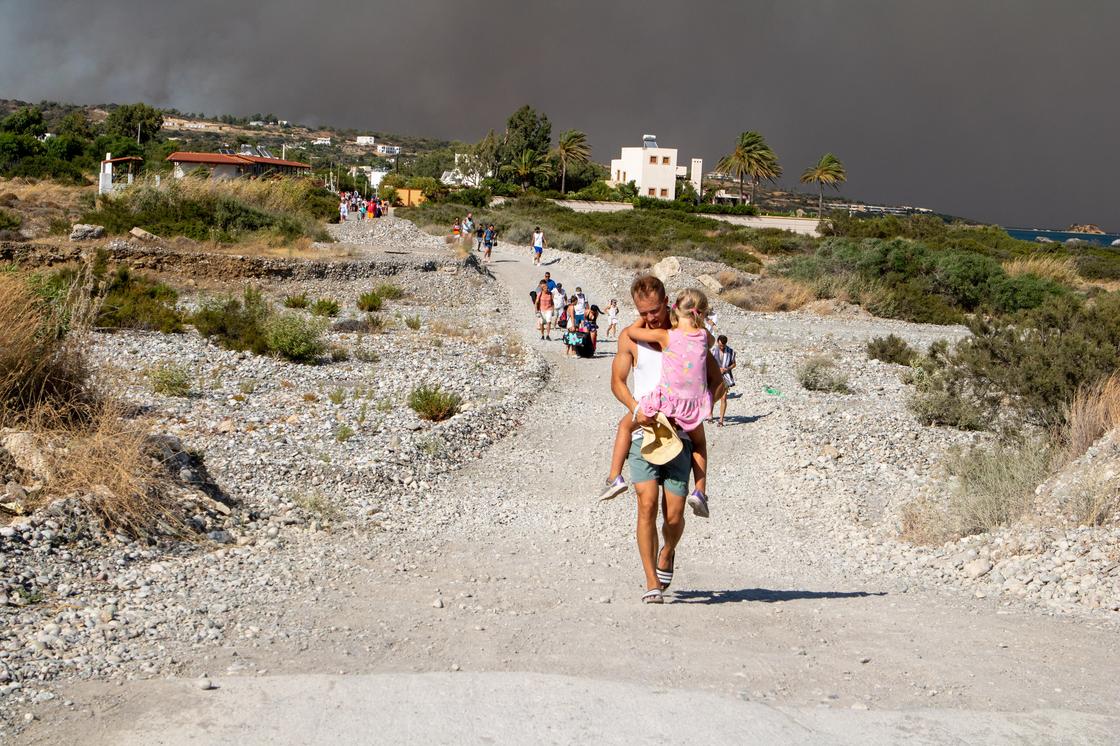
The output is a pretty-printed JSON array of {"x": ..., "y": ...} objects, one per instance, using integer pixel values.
[{"x": 77, "y": 145}]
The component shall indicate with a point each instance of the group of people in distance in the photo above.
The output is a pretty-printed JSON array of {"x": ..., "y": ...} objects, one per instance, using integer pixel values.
[
  {"x": 485, "y": 236},
  {"x": 574, "y": 316},
  {"x": 353, "y": 203}
]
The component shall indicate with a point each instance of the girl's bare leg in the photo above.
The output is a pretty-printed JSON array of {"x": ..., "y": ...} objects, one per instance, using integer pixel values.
[
  {"x": 699, "y": 458},
  {"x": 626, "y": 427}
]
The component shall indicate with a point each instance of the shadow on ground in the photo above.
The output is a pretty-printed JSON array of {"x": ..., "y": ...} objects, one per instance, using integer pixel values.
[{"x": 764, "y": 595}]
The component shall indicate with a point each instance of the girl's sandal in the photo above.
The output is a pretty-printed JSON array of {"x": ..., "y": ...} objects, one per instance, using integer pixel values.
[{"x": 653, "y": 597}]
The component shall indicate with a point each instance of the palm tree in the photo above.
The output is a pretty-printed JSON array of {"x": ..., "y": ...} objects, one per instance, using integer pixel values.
[
  {"x": 829, "y": 170},
  {"x": 753, "y": 158},
  {"x": 527, "y": 166},
  {"x": 571, "y": 147}
]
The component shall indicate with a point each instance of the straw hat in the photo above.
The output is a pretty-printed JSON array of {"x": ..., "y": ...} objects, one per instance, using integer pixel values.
[{"x": 660, "y": 442}]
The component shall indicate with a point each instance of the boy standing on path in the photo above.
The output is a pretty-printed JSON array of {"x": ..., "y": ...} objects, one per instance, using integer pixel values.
[
  {"x": 538, "y": 246},
  {"x": 671, "y": 479},
  {"x": 725, "y": 358}
]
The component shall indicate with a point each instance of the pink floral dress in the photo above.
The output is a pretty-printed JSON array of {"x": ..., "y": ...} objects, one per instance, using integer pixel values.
[{"x": 682, "y": 394}]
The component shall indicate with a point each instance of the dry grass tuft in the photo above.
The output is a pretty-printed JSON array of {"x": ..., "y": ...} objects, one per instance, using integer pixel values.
[
  {"x": 1060, "y": 269},
  {"x": 635, "y": 262},
  {"x": 925, "y": 523},
  {"x": 1094, "y": 411},
  {"x": 107, "y": 459},
  {"x": 88, "y": 444},
  {"x": 770, "y": 294},
  {"x": 444, "y": 329},
  {"x": 41, "y": 362},
  {"x": 730, "y": 279}
]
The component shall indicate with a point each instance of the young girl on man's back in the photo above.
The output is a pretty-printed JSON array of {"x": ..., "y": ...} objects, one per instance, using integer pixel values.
[{"x": 682, "y": 394}]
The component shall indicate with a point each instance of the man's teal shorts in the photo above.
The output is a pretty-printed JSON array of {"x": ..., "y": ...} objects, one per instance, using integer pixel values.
[{"x": 673, "y": 476}]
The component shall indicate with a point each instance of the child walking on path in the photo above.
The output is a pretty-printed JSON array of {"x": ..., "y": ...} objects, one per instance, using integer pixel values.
[{"x": 682, "y": 394}]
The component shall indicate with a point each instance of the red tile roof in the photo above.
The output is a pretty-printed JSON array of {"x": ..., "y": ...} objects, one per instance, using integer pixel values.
[
  {"x": 274, "y": 161},
  {"x": 216, "y": 158},
  {"x": 237, "y": 160}
]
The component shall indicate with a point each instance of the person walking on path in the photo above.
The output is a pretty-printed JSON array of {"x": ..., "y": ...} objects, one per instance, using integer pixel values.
[
  {"x": 489, "y": 238},
  {"x": 670, "y": 479},
  {"x": 581, "y": 305},
  {"x": 538, "y": 246},
  {"x": 612, "y": 319},
  {"x": 544, "y": 307},
  {"x": 725, "y": 358}
]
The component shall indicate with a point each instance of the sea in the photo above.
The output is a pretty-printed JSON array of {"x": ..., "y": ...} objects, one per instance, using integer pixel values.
[{"x": 1103, "y": 239}]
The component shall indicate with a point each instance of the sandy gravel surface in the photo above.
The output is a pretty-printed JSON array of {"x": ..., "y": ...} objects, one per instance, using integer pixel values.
[{"x": 776, "y": 606}]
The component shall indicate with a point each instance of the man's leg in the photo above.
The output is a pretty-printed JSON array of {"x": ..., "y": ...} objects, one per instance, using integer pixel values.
[
  {"x": 677, "y": 474},
  {"x": 722, "y": 407},
  {"x": 672, "y": 529},
  {"x": 647, "y": 529}
]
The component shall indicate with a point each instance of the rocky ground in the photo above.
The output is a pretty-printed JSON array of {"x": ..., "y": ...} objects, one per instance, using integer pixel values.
[{"x": 476, "y": 544}]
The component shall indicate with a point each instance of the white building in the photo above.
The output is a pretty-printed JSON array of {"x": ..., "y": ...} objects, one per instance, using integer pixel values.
[
  {"x": 389, "y": 149},
  {"x": 468, "y": 172},
  {"x": 365, "y": 140},
  {"x": 374, "y": 175},
  {"x": 652, "y": 169},
  {"x": 321, "y": 141}
]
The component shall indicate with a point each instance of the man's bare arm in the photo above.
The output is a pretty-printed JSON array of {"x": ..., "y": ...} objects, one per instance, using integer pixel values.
[{"x": 620, "y": 370}]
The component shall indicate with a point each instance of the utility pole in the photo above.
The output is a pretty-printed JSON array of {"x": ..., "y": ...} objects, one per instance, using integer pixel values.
[{"x": 137, "y": 133}]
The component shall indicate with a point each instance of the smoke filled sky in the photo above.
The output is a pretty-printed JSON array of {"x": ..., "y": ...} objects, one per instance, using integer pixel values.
[{"x": 1001, "y": 110}]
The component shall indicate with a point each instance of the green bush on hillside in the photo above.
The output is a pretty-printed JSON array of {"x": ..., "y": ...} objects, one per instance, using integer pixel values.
[
  {"x": 235, "y": 324},
  {"x": 226, "y": 212},
  {"x": 915, "y": 283},
  {"x": 1027, "y": 367},
  {"x": 294, "y": 337},
  {"x": 891, "y": 349},
  {"x": 136, "y": 302},
  {"x": 653, "y": 232}
]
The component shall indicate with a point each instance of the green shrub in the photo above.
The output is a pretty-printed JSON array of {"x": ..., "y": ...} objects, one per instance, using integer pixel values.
[
  {"x": 137, "y": 302},
  {"x": 9, "y": 221},
  {"x": 296, "y": 301},
  {"x": 891, "y": 349},
  {"x": 235, "y": 324},
  {"x": 653, "y": 203},
  {"x": 170, "y": 379},
  {"x": 433, "y": 403},
  {"x": 296, "y": 338},
  {"x": 389, "y": 291},
  {"x": 370, "y": 301},
  {"x": 412, "y": 322},
  {"x": 819, "y": 373},
  {"x": 1025, "y": 369},
  {"x": 344, "y": 433},
  {"x": 325, "y": 307},
  {"x": 285, "y": 208},
  {"x": 1023, "y": 292},
  {"x": 337, "y": 396},
  {"x": 339, "y": 353},
  {"x": 472, "y": 196},
  {"x": 376, "y": 323}
]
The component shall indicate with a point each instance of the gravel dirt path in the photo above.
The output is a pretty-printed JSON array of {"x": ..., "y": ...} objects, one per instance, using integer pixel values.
[{"x": 521, "y": 613}]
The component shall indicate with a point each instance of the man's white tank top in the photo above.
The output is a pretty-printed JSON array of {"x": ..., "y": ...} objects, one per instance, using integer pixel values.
[{"x": 647, "y": 374}]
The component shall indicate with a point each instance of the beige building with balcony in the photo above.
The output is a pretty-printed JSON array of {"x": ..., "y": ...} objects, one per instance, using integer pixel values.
[{"x": 652, "y": 169}]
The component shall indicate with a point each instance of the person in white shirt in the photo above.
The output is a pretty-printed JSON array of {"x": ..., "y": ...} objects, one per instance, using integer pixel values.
[{"x": 538, "y": 245}]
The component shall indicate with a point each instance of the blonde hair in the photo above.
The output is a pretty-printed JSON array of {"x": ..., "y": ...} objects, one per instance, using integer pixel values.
[{"x": 691, "y": 302}]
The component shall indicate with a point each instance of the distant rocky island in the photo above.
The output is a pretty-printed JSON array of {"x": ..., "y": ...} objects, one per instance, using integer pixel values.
[{"x": 1085, "y": 228}]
